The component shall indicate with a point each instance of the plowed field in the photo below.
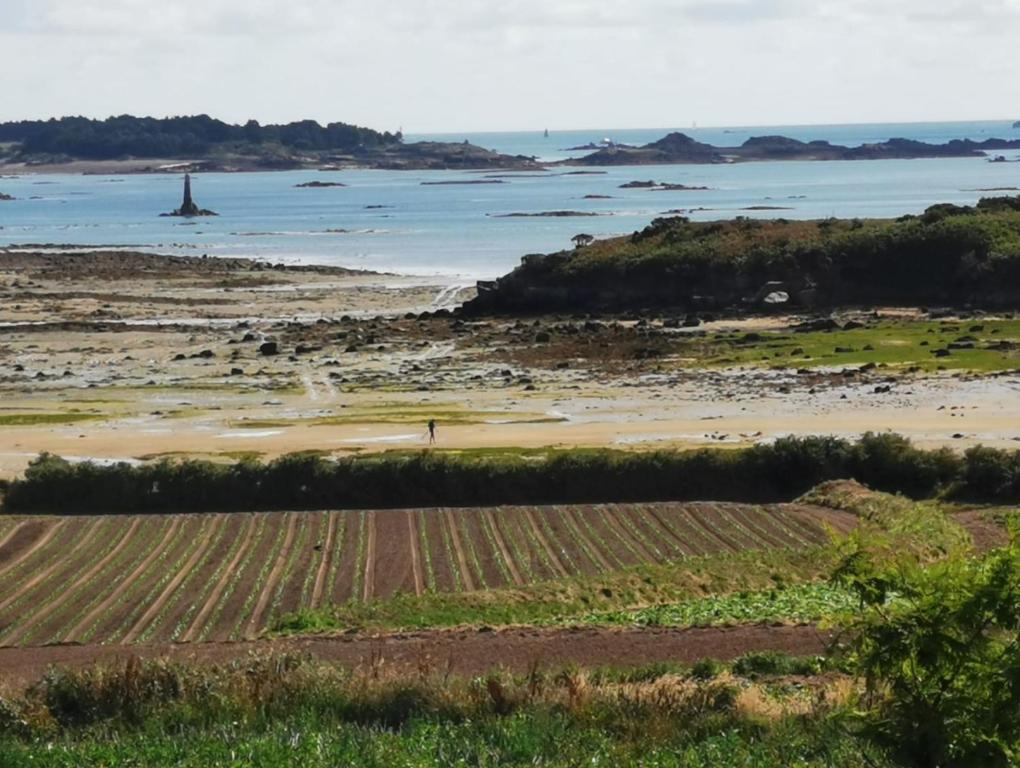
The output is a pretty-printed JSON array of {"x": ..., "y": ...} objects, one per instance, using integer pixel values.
[{"x": 215, "y": 577}]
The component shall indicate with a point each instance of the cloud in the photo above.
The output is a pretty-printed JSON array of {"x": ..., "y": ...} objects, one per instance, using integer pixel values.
[{"x": 434, "y": 64}]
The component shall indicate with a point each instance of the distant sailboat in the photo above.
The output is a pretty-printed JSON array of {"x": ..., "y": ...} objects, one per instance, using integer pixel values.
[{"x": 547, "y": 133}]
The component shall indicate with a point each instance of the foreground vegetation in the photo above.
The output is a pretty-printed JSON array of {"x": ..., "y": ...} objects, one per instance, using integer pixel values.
[
  {"x": 778, "y": 471},
  {"x": 922, "y": 677},
  {"x": 950, "y": 255},
  {"x": 280, "y": 711},
  {"x": 920, "y": 673}
]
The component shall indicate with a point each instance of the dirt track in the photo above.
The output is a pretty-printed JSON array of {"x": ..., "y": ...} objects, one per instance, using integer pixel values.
[{"x": 461, "y": 652}]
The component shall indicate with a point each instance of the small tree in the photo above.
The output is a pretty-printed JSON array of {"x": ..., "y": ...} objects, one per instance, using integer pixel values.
[{"x": 937, "y": 648}]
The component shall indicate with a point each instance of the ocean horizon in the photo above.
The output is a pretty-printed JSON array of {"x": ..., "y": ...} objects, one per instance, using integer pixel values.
[{"x": 393, "y": 221}]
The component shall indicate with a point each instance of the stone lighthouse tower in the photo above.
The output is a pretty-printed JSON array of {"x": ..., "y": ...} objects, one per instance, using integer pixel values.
[{"x": 188, "y": 207}]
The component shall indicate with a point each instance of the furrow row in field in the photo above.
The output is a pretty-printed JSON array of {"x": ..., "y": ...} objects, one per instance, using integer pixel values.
[
  {"x": 192, "y": 578},
  {"x": 197, "y": 553},
  {"x": 253, "y": 581},
  {"x": 216, "y": 625},
  {"x": 325, "y": 561},
  {"x": 192, "y": 590},
  {"x": 52, "y": 584},
  {"x": 414, "y": 545},
  {"x": 506, "y": 561},
  {"x": 27, "y": 548},
  {"x": 211, "y": 601},
  {"x": 79, "y": 630},
  {"x": 80, "y": 586},
  {"x": 579, "y": 529}
]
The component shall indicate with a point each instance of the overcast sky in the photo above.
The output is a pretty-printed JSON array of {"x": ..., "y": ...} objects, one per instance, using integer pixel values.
[{"x": 468, "y": 65}]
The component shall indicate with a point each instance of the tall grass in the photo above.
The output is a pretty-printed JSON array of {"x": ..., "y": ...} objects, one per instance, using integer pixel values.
[{"x": 285, "y": 710}]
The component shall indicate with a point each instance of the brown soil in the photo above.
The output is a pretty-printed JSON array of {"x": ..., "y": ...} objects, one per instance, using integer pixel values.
[
  {"x": 392, "y": 563},
  {"x": 125, "y": 612},
  {"x": 817, "y": 516},
  {"x": 612, "y": 517},
  {"x": 669, "y": 531},
  {"x": 291, "y": 591},
  {"x": 650, "y": 532},
  {"x": 702, "y": 522},
  {"x": 737, "y": 531},
  {"x": 442, "y": 566},
  {"x": 192, "y": 590},
  {"x": 986, "y": 532},
  {"x": 247, "y": 569},
  {"x": 763, "y": 527},
  {"x": 466, "y": 652}
]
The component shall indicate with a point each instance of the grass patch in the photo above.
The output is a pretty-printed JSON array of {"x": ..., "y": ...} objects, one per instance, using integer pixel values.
[
  {"x": 799, "y": 603},
  {"x": 896, "y": 344},
  {"x": 38, "y": 419}
]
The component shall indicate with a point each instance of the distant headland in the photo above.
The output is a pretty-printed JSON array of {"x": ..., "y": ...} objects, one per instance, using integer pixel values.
[
  {"x": 127, "y": 144},
  {"x": 679, "y": 148}
]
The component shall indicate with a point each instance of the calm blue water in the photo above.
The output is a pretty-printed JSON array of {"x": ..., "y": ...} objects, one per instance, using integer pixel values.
[{"x": 455, "y": 230}]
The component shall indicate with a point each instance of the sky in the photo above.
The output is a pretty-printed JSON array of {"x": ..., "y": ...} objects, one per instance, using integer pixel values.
[{"x": 476, "y": 65}]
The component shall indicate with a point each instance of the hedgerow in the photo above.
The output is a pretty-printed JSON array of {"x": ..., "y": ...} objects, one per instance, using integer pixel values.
[{"x": 763, "y": 473}]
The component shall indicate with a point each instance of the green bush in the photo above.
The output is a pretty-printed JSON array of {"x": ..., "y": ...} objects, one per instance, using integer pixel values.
[{"x": 938, "y": 648}]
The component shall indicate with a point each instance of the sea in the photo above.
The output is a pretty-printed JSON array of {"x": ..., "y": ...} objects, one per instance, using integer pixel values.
[{"x": 403, "y": 222}]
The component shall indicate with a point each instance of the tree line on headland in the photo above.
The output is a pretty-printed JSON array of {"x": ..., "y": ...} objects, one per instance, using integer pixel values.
[
  {"x": 949, "y": 255},
  {"x": 172, "y": 137}
]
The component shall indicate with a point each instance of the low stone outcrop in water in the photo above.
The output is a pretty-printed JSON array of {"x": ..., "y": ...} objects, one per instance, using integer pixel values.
[{"x": 188, "y": 207}]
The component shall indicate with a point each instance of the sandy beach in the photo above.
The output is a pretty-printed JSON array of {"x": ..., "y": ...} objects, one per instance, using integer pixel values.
[{"x": 116, "y": 356}]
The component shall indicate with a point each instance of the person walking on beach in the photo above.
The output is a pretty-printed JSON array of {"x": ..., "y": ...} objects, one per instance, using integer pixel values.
[{"x": 432, "y": 431}]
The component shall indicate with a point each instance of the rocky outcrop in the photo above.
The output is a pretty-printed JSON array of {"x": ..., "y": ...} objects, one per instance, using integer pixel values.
[
  {"x": 4, "y": 197},
  {"x": 678, "y": 148},
  {"x": 188, "y": 207},
  {"x": 673, "y": 148},
  {"x": 319, "y": 184},
  {"x": 660, "y": 186}
]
